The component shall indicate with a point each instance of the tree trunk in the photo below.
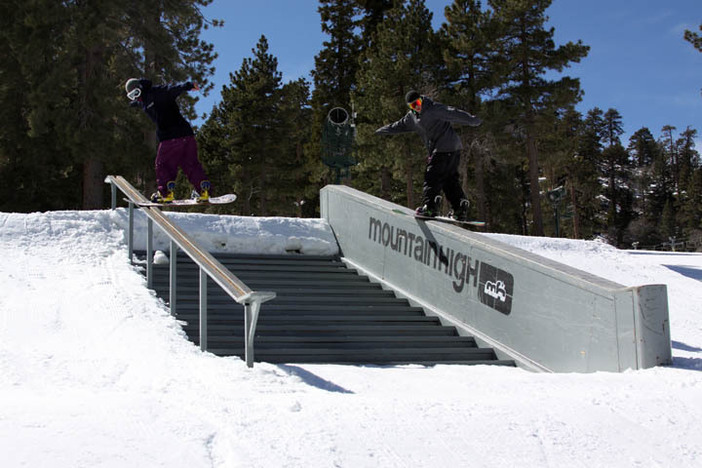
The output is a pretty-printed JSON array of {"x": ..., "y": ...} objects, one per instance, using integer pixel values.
[
  {"x": 93, "y": 182},
  {"x": 576, "y": 213},
  {"x": 409, "y": 176},
  {"x": 93, "y": 177},
  {"x": 385, "y": 182},
  {"x": 263, "y": 188},
  {"x": 537, "y": 228},
  {"x": 480, "y": 184}
]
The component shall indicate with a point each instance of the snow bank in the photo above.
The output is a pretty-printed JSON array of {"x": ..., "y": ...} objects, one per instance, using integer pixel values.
[
  {"x": 94, "y": 372},
  {"x": 215, "y": 233}
]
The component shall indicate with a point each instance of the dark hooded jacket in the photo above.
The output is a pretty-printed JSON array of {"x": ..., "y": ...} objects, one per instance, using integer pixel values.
[
  {"x": 433, "y": 124},
  {"x": 159, "y": 103}
]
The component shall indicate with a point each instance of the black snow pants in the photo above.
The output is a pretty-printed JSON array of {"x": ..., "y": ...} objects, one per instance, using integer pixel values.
[{"x": 442, "y": 174}]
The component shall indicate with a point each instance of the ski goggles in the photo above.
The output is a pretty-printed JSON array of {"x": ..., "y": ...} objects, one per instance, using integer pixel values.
[
  {"x": 415, "y": 105},
  {"x": 134, "y": 94}
]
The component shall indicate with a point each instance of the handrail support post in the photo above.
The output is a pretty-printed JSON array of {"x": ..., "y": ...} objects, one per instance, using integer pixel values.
[
  {"x": 251, "y": 311},
  {"x": 113, "y": 188},
  {"x": 203, "y": 310},
  {"x": 149, "y": 253},
  {"x": 252, "y": 308},
  {"x": 130, "y": 235},
  {"x": 173, "y": 272}
]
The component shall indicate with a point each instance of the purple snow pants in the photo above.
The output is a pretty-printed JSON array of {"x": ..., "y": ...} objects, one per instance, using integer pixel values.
[{"x": 175, "y": 153}]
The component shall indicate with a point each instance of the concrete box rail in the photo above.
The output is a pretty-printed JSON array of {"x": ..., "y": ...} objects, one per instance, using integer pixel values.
[{"x": 545, "y": 315}]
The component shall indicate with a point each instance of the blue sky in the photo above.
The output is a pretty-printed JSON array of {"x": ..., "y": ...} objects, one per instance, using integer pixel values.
[{"x": 638, "y": 63}]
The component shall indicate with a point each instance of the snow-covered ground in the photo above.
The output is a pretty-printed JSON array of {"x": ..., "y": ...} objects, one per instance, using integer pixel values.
[{"x": 94, "y": 372}]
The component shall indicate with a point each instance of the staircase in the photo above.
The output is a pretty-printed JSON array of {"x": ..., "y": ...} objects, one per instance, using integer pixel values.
[{"x": 324, "y": 312}]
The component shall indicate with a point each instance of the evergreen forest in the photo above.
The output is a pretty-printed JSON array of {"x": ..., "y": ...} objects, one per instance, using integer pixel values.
[{"x": 536, "y": 166}]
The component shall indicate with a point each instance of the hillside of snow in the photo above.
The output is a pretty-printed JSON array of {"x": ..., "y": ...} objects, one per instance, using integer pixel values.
[{"x": 96, "y": 373}]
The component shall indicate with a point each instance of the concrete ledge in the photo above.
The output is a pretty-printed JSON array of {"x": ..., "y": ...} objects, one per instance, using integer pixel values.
[{"x": 545, "y": 315}]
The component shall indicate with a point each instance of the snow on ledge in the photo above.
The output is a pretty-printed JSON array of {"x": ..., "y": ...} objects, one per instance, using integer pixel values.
[{"x": 242, "y": 234}]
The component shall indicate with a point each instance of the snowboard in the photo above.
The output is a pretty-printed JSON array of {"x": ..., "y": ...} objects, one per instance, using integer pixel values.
[
  {"x": 220, "y": 200},
  {"x": 444, "y": 219}
]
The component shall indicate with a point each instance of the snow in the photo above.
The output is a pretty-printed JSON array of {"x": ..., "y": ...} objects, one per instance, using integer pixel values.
[{"x": 94, "y": 372}]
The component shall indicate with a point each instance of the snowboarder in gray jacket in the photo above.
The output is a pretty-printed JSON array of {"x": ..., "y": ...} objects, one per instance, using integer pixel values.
[{"x": 432, "y": 122}]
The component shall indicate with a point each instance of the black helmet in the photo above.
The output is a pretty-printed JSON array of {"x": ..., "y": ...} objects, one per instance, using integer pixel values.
[{"x": 411, "y": 96}]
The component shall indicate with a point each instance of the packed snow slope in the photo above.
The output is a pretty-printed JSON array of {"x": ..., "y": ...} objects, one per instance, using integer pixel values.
[{"x": 94, "y": 372}]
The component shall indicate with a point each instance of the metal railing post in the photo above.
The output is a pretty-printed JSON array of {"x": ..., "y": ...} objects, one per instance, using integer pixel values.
[
  {"x": 113, "y": 187},
  {"x": 130, "y": 235},
  {"x": 250, "y": 318},
  {"x": 203, "y": 310},
  {"x": 149, "y": 253},
  {"x": 173, "y": 268},
  {"x": 252, "y": 307}
]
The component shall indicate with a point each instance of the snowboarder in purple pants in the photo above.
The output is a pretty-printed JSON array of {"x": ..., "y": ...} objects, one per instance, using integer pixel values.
[{"x": 177, "y": 146}]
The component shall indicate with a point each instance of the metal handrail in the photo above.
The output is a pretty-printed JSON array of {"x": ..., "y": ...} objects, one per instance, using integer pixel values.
[{"x": 209, "y": 266}]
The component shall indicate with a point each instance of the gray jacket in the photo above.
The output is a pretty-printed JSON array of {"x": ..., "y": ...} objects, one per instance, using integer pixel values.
[{"x": 433, "y": 124}]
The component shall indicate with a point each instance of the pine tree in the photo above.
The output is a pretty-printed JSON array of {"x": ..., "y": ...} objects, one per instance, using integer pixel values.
[
  {"x": 690, "y": 197},
  {"x": 691, "y": 212},
  {"x": 245, "y": 126},
  {"x": 335, "y": 69},
  {"x": 619, "y": 196},
  {"x": 71, "y": 60},
  {"x": 254, "y": 140},
  {"x": 374, "y": 12},
  {"x": 688, "y": 156},
  {"x": 667, "y": 228},
  {"x": 336, "y": 64},
  {"x": 295, "y": 190},
  {"x": 588, "y": 217},
  {"x": 527, "y": 54},
  {"x": 559, "y": 150},
  {"x": 14, "y": 132},
  {"x": 36, "y": 171},
  {"x": 670, "y": 151},
  {"x": 643, "y": 150},
  {"x": 694, "y": 38},
  {"x": 643, "y": 147},
  {"x": 613, "y": 127},
  {"x": 614, "y": 168},
  {"x": 470, "y": 36},
  {"x": 661, "y": 193}
]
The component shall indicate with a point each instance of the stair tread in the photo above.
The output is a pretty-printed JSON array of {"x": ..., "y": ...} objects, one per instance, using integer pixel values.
[{"x": 349, "y": 339}]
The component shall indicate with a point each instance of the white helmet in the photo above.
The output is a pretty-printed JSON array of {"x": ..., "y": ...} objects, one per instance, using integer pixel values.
[{"x": 133, "y": 88}]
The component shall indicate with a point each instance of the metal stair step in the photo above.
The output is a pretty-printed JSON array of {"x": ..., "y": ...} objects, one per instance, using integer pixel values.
[
  {"x": 325, "y": 312},
  {"x": 291, "y": 268},
  {"x": 234, "y": 308},
  {"x": 356, "y": 282},
  {"x": 163, "y": 273},
  {"x": 387, "y": 330},
  {"x": 343, "y": 342},
  {"x": 309, "y": 318},
  {"x": 365, "y": 299},
  {"x": 367, "y": 355},
  {"x": 229, "y": 258},
  {"x": 192, "y": 292}
]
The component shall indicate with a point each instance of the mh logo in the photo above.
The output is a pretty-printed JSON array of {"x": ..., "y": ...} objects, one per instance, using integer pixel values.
[{"x": 495, "y": 288}]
